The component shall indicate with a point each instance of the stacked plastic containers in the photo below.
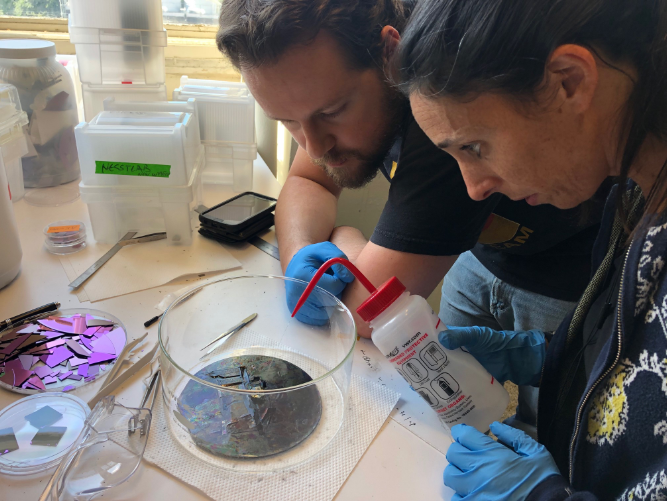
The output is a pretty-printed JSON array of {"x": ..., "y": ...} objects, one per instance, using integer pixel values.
[
  {"x": 12, "y": 141},
  {"x": 120, "y": 50},
  {"x": 141, "y": 166},
  {"x": 226, "y": 112}
]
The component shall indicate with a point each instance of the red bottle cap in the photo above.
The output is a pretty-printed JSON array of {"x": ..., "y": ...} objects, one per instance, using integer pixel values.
[{"x": 381, "y": 299}]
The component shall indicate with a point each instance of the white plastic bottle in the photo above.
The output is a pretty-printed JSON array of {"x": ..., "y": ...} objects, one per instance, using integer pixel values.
[
  {"x": 455, "y": 385},
  {"x": 10, "y": 250}
]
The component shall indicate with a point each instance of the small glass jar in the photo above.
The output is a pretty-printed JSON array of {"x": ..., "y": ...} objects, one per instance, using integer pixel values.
[{"x": 47, "y": 95}]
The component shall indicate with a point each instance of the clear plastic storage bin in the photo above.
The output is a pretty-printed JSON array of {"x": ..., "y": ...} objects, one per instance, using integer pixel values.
[
  {"x": 12, "y": 141},
  {"x": 230, "y": 163},
  {"x": 127, "y": 14},
  {"x": 117, "y": 56},
  {"x": 115, "y": 210},
  {"x": 226, "y": 110},
  {"x": 47, "y": 96},
  {"x": 139, "y": 148},
  {"x": 94, "y": 95}
]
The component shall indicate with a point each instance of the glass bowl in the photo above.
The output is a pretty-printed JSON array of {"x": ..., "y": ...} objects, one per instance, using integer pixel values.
[{"x": 271, "y": 395}]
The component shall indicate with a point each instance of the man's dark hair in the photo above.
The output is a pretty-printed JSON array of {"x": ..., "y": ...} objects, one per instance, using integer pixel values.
[{"x": 256, "y": 32}]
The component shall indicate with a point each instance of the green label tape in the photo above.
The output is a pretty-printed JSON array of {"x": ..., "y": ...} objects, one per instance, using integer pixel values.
[{"x": 132, "y": 169}]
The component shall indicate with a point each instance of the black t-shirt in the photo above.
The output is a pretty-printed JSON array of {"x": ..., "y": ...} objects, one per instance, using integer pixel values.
[{"x": 541, "y": 249}]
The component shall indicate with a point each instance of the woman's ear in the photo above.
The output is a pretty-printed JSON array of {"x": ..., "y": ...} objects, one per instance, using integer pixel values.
[{"x": 572, "y": 70}]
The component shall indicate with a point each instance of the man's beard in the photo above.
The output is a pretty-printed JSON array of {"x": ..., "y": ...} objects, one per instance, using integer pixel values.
[{"x": 362, "y": 173}]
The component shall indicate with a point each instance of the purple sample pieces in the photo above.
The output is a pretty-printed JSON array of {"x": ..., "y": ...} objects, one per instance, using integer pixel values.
[
  {"x": 98, "y": 322},
  {"x": 64, "y": 344},
  {"x": 77, "y": 348},
  {"x": 14, "y": 344},
  {"x": 117, "y": 337},
  {"x": 30, "y": 328},
  {"x": 79, "y": 324},
  {"x": 36, "y": 383},
  {"x": 43, "y": 371},
  {"x": 87, "y": 342},
  {"x": 65, "y": 325},
  {"x": 90, "y": 331},
  {"x": 26, "y": 361},
  {"x": 69, "y": 387},
  {"x": 97, "y": 357},
  {"x": 55, "y": 342},
  {"x": 104, "y": 344},
  {"x": 75, "y": 362},
  {"x": 60, "y": 354}
]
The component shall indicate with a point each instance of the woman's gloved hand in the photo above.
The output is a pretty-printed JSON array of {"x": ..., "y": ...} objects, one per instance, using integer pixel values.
[
  {"x": 303, "y": 266},
  {"x": 481, "y": 468},
  {"x": 517, "y": 356}
]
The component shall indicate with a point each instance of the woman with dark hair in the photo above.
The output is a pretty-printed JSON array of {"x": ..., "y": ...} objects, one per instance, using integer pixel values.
[{"x": 543, "y": 100}]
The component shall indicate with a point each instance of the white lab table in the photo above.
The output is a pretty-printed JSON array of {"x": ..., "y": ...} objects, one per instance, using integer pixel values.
[{"x": 397, "y": 466}]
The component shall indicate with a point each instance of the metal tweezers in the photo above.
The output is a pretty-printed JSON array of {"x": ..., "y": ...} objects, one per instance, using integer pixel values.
[{"x": 126, "y": 240}]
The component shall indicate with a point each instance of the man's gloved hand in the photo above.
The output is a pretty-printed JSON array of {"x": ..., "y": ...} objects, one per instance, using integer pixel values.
[
  {"x": 303, "y": 266},
  {"x": 517, "y": 356},
  {"x": 480, "y": 468}
]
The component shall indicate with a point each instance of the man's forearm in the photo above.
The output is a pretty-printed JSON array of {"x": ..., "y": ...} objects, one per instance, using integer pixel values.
[
  {"x": 419, "y": 273},
  {"x": 305, "y": 214}
]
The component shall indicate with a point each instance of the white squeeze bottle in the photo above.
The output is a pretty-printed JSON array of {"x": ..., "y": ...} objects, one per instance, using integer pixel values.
[
  {"x": 405, "y": 330},
  {"x": 10, "y": 250},
  {"x": 454, "y": 383}
]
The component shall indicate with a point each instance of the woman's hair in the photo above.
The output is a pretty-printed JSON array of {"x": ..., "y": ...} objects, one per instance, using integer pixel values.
[{"x": 460, "y": 48}]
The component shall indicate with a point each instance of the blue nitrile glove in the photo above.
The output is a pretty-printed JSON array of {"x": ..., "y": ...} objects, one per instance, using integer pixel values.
[
  {"x": 303, "y": 266},
  {"x": 517, "y": 356},
  {"x": 481, "y": 468}
]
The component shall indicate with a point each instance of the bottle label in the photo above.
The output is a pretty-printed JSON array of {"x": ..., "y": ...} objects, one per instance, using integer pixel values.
[{"x": 424, "y": 363}]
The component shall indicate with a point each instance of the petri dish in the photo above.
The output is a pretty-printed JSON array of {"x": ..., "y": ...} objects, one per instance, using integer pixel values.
[
  {"x": 69, "y": 365},
  {"x": 65, "y": 237},
  {"x": 66, "y": 411},
  {"x": 268, "y": 397}
]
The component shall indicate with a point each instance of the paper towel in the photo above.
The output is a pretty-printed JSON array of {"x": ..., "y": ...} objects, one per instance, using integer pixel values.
[{"x": 318, "y": 479}]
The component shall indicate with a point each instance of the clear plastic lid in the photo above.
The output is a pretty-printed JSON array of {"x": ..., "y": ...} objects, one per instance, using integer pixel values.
[
  {"x": 37, "y": 431},
  {"x": 26, "y": 49},
  {"x": 65, "y": 237},
  {"x": 214, "y": 89},
  {"x": 139, "y": 118}
]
